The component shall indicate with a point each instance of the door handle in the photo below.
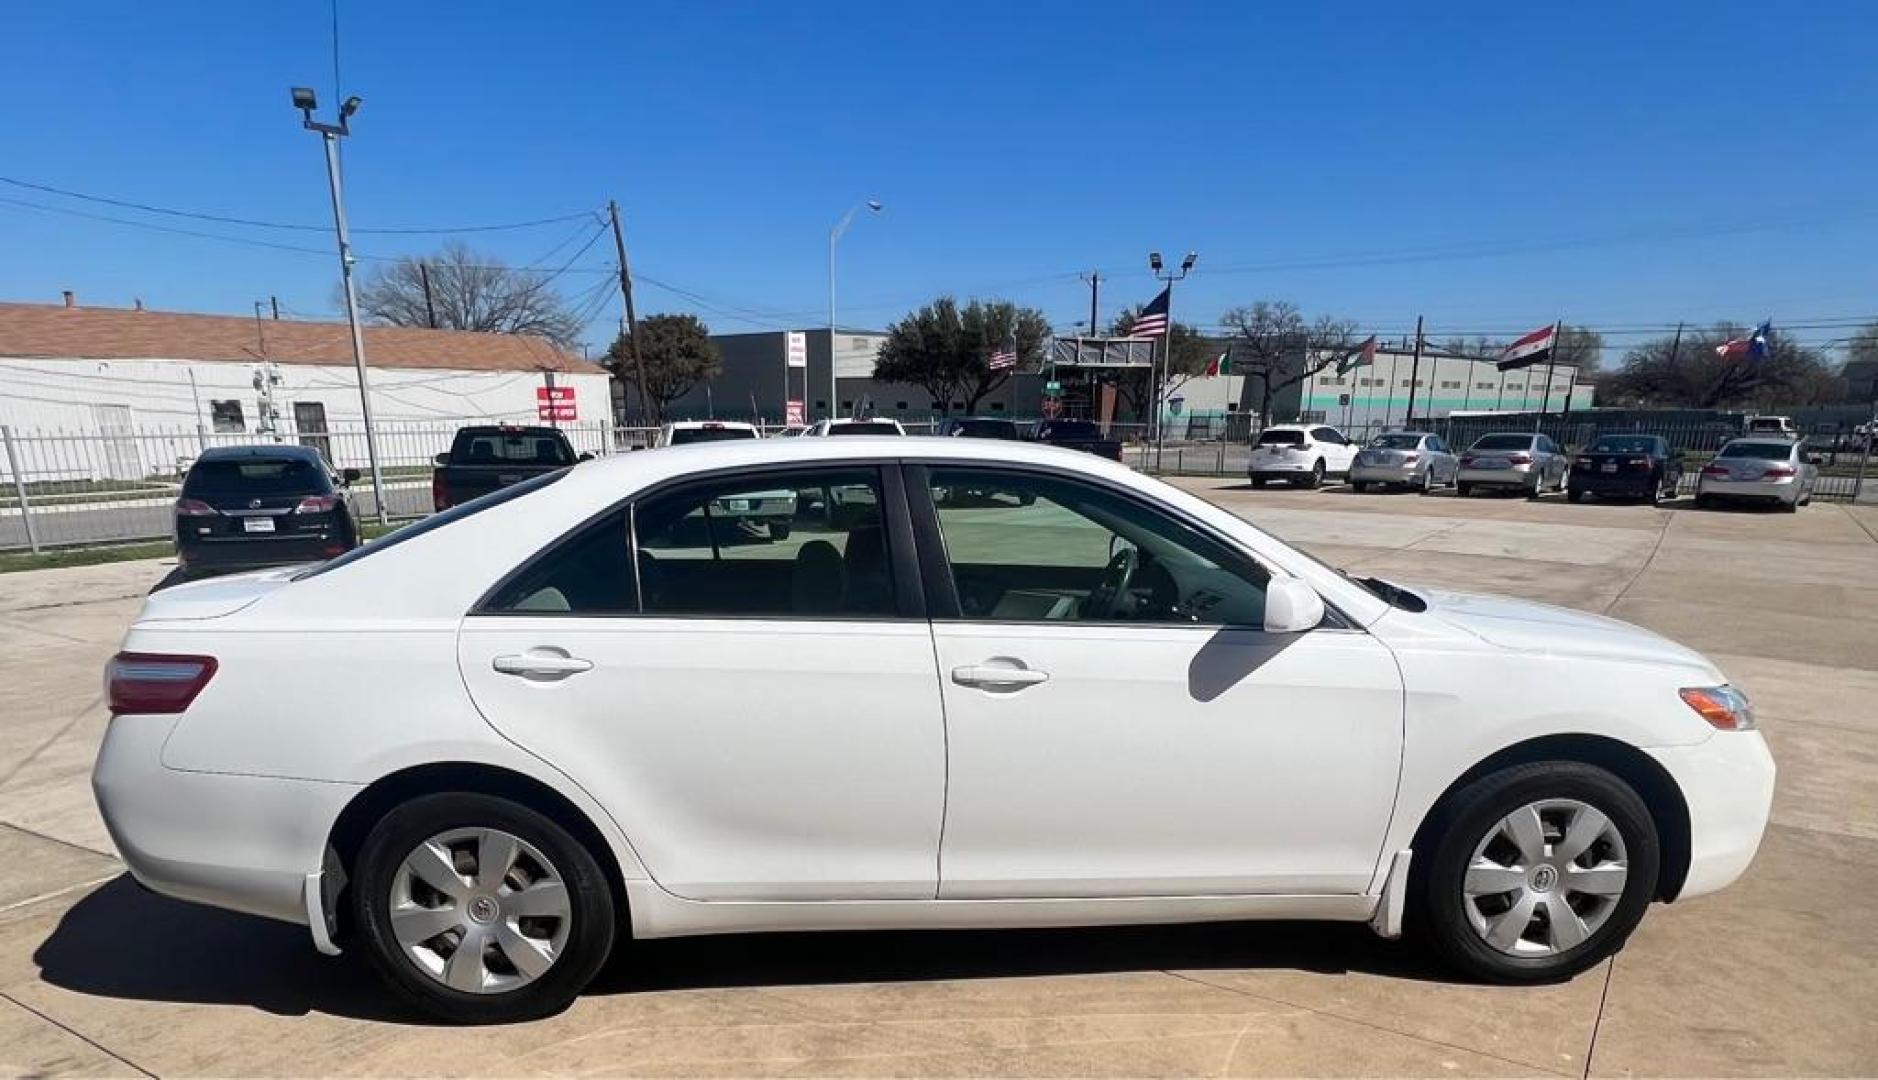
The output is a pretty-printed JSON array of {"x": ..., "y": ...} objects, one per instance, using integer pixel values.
[
  {"x": 990, "y": 676},
  {"x": 541, "y": 664}
]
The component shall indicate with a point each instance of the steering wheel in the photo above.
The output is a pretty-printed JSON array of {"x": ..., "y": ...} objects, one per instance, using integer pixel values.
[{"x": 1106, "y": 599}]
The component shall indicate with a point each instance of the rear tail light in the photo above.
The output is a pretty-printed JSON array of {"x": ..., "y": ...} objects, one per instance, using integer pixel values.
[
  {"x": 1581, "y": 463},
  {"x": 194, "y": 508},
  {"x": 1714, "y": 470},
  {"x": 1411, "y": 458},
  {"x": 1637, "y": 461},
  {"x": 1520, "y": 459},
  {"x": 316, "y": 504},
  {"x": 1724, "y": 707},
  {"x": 155, "y": 682},
  {"x": 1779, "y": 470},
  {"x": 439, "y": 500},
  {"x": 1467, "y": 459}
]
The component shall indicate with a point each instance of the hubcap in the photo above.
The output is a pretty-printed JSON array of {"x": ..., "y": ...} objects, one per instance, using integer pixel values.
[
  {"x": 480, "y": 910},
  {"x": 1545, "y": 877}
]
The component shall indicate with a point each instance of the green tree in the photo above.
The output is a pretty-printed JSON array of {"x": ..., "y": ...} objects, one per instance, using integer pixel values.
[
  {"x": 1691, "y": 374},
  {"x": 946, "y": 349},
  {"x": 678, "y": 355},
  {"x": 1276, "y": 345},
  {"x": 1188, "y": 353}
]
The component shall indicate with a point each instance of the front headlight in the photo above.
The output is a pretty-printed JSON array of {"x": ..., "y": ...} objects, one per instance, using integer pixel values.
[{"x": 1722, "y": 706}]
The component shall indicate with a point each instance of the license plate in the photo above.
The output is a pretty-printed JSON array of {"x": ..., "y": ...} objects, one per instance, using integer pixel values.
[
  {"x": 1496, "y": 463},
  {"x": 257, "y": 524},
  {"x": 1609, "y": 466}
]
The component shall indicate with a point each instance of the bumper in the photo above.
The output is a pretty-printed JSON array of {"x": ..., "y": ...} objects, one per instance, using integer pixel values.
[
  {"x": 1386, "y": 474},
  {"x": 1775, "y": 490},
  {"x": 1728, "y": 783},
  {"x": 246, "y": 843},
  {"x": 256, "y": 553},
  {"x": 1603, "y": 483},
  {"x": 1282, "y": 466},
  {"x": 1519, "y": 476}
]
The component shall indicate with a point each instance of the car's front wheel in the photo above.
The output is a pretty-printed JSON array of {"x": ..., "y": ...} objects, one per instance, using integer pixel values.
[
  {"x": 477, "y": 909},
  {"x": 1538, "y": 872}
]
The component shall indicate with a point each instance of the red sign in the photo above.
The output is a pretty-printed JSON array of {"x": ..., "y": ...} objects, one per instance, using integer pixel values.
[
  {"x": 555, "y": 393},
  {"x": 793, "y": 412},
  {"x": 555, "y": 413},
  {"x": 554, "y": 404}
]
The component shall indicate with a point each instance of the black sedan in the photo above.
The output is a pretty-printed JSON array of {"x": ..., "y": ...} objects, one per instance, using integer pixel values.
[
  {"x": 247, "y": 507},
  {"x": 1626, "y": 466}
]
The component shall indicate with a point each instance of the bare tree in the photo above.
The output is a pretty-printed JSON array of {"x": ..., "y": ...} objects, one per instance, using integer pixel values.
[
  {"x": 1274, "y": 343},
  {"x": 1187, "y": 355},
  {"x": 1692, "y": 374},
  {"x": 468, "y": 291}
]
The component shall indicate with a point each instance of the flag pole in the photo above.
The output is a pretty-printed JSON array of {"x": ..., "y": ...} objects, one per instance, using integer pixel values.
[{"x": 1551, "y": 359}]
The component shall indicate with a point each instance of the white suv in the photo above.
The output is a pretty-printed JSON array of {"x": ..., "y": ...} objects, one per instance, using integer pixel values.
[
  {"x": 683, "y": 432},
  {"x": 1301, "y": 453}
]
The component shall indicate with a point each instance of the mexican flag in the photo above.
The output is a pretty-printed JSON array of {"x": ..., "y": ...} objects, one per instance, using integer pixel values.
[{"x": 1220, "y": 365}]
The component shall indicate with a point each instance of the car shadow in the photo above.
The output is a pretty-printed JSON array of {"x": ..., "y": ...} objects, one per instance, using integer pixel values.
[{"x": 122, "y": 941}]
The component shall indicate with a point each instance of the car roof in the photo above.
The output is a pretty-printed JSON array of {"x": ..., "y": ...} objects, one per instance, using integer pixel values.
[
  {"x": 695, "y": 425},
  {"x": 265, "y": 450},
  {"x": 1291, "y": 427},
  {"x": 624, "y": 471},
  {"x": 1785, "y": 444}
]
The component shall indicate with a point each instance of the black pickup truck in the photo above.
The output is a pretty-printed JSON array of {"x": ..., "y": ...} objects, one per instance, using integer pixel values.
[
  {"x": 1077, "y": 435},
  {"x": 482, "y": 459}
]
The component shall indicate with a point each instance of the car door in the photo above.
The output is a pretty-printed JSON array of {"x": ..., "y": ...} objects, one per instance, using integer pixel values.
[
  {"x": 1442, "y": 463},
  {"x": 757, "y": 707},
  {"x": 1337, "y": 451},
  {"x": 1118, "y": 722}
]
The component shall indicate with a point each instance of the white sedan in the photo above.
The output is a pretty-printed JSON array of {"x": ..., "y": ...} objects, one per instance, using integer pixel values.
[{"x": 578, "y": 709}]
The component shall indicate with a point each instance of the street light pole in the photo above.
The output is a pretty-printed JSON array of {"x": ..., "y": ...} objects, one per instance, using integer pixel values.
[
  {"x": 1167, "y": 341},
  {"x": 330, "y": 134},
  {"x": 834, "y": 235}
]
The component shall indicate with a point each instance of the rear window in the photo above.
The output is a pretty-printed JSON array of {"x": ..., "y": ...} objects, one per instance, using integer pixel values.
[
  {"x": 1503, "y": 442},
  {"x": 1069, "y": 429},
  {"x": 434, "y": 522},
  {"x": 256, "y": 476},
  {"x": 1623, "y": 444},
  {"x": 1281, "y": 438},
  {"x": 1396, "y": 442},
  {"x": 987, "y": 429},
  {"x": 1766, "y": 451},
  {"x": 865, "y": 427},
  {"x": 510, "y": 448},
  {"x": 681, "y": 436}
]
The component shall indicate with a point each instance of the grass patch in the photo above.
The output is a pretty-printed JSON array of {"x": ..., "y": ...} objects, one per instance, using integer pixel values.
[{"x": 14, "y": 561}]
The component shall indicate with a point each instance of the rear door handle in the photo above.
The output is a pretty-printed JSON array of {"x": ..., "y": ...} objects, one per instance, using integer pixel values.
[
  {"x": 541, "y": 664},
  {"x": 993, "y": 676}
]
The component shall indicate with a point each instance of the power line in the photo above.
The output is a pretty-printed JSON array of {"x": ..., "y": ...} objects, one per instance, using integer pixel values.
[{"x": 255, "y": 223}]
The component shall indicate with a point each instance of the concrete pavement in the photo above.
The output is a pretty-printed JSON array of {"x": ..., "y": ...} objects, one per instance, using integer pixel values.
[{"x": 1774, "y": 976}]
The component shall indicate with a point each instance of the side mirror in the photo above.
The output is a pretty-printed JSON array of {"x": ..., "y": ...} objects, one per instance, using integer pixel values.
[
  {"x": 586, "y": 456},
  {"x": 1291, "y": 606},
  {"x": 442, "y": 459},
  {"x": 351, "y": 476},
  {"x": 1815, "y": 459}
]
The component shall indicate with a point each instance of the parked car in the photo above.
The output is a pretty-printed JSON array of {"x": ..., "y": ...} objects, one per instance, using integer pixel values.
[
  {"x": 684, "y": 432},
  {"x": 1630, "y": 466},
  {"x": 243, "y": 507},
  {"x": 873, "y": 425},
  {"x": 488, "y": 458},
  {"x": 1084, "y": 435},
  {"x": 978, "y": 427},
  {"x": 1512, "y": 461},
  {"x": 1775, "y": 426},
  {"x": 1776, "y": 471},
  {"x": 569, "y": 715},
  {"x": 1301, "y": 453},
  {"x": 1415, "y": 459}
]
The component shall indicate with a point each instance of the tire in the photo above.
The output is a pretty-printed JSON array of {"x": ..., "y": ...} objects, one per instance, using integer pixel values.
[
  {"x": 1258, "y": 483},
  {"x": 577, "y": 933},
  {"x": 779, "y": 530},
  {"x": 1474, "y": 821},
  {"x": 1315, "y": 478},
  {"x": 1574, "y": 495},
  {"x": 1789, "y": 507},
  {"x": 1538, "y": 488},
  {"x": 1359, "y": 486},
  {"x": 1427, "y": 486},
  {"x": 1463, "y": 489}
]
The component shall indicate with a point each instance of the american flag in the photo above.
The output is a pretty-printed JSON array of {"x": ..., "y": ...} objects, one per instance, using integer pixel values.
[
  {"x": 1003, "y": 358},
  {"x": 1152, "y": 322}
]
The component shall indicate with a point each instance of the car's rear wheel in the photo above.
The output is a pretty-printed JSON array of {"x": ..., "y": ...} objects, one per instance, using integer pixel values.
[
  {"x": 1359, "y": 486},
  {"x": 1574, "y": 495},
  {"x": 1463, "y": 488},
  {"x": 1427, "y": 486},
  {"x": 1315, "y": 478},
  {"x": 477, "y": 909},
  {"x": 1258, "y": 481},
  {"x": 1539, "y": 871}
]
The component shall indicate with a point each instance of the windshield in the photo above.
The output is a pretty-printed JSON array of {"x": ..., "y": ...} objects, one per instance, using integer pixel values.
[
  {"x": 1765, "y": 451},
  {"x": 1396, "y": 441},
  {"x": 681, "y": 436},
  {"x": 518, "y": 447},
  {"x": 255, "y": 476},
  {"x": 864, "y": 427},
  {"x": 1503, "y": 442},
  {"x": 1280, "y": 438},
  {"x": 1623, "y": 444}
]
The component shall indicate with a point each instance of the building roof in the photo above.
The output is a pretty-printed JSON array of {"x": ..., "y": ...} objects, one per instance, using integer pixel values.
[{"x": 52, "y": 331}]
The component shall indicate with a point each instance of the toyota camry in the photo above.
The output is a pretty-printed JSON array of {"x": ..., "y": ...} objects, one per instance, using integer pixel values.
[{"x": 599, "y": 705}]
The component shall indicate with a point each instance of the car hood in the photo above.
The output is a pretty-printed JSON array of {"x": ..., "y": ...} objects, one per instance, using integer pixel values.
[
  {"x": 1542, "y": 629},
  {"x": 215, "y": 597}
]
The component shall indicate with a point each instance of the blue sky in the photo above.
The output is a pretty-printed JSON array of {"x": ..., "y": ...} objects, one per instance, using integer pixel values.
[{"x": 1491, "y": 166}]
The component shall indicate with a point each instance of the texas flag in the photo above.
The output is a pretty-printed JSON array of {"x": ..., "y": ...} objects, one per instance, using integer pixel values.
[{"x": 1753, "y": 346}]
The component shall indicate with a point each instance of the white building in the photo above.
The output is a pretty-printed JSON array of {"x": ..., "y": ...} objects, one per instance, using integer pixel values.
[
  {"x": 1372, "y": 397},
  {"x": 143, "y": 380}
]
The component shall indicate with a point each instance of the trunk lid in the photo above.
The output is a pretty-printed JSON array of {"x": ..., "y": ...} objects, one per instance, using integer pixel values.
[{"x": 216, "y": 597}]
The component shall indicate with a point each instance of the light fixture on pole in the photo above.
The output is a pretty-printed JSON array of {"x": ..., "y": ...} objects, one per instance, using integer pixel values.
[
  {"x": 1168, "y": 277},
  {"x": 834, "y": 234},
  {"x": 330, "y": 134}
]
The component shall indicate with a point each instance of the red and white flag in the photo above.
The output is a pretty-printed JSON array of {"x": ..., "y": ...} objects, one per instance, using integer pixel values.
[
  {"x": 1004, "y": 358},
  {"x": 1534, "y": 348}
]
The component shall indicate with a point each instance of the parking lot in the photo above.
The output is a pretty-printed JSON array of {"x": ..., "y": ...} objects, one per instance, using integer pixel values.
[{"x": 1773, "y": 976}]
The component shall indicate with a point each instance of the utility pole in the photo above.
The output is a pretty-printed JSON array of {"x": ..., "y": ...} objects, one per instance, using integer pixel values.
[
  {"x": 330, "y": 135},
  {"x": 275, "y": 300},
  {"x": 632, "y": 316},
  {"x": 1415, "y": 375},
  {"x": 1095, "y": 295},
  {"x": 430, "y": 308}
]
